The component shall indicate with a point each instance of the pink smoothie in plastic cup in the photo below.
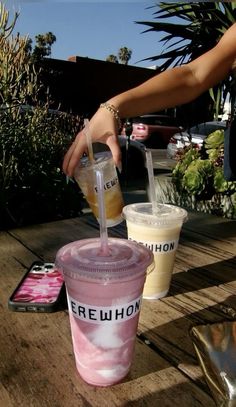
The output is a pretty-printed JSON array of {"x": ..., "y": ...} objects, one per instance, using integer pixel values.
[{"x": 104, "y": 298}]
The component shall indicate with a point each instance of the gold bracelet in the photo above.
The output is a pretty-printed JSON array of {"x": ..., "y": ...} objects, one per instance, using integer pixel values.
[{"x": 113, "y": 111}]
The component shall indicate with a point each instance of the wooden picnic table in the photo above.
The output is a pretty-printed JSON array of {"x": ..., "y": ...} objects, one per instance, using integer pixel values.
[{"x": 37, "y": 367}]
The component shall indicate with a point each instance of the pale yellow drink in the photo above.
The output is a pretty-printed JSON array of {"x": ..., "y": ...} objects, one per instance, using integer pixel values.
[
  {"x": 86, "y": 179},
  {"x": 160, "y": 233}
]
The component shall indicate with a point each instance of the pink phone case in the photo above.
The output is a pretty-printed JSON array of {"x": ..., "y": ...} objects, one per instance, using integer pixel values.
[{"x": 39, "y": 290}]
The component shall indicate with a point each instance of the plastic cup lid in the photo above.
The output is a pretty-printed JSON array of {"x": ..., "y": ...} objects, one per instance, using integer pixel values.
[
  {"x": 166, "y": 215},
  {"x": 100, "y": 159},
  {"x": 83, "y": 259}
]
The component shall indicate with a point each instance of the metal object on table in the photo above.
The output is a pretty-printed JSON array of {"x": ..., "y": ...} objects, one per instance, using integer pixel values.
[{"x": 215, "y": 346}]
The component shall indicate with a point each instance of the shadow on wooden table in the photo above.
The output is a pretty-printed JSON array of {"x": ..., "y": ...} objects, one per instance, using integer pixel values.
[
  {"x": 172, "y": 339},
  {"x": 209, "y": 275},
  {"x": 215, "y": 226},
  {"x": 182, "y": 394}
]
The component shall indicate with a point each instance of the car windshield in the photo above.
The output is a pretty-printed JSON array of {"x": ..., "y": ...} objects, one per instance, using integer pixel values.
[{"x": 206, "y": 128}]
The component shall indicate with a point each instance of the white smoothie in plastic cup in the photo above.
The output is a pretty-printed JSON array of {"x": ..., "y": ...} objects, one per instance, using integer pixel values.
[
  {"x": 84, "y": 176},
  {"x": 104, "y": 298},
  {"x": 160, "y": 233}
]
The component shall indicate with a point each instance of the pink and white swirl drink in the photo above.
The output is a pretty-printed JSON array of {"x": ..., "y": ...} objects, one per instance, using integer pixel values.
[{"x": 104, "y": 298}]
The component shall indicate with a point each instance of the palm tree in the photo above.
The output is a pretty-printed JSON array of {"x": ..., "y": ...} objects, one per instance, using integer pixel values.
[
  {"x": 43, "y": 45},
  {"x": 112, "y": 58},
  {"x": 124, "y": 55},
  {"x": 203, "y": 23}
]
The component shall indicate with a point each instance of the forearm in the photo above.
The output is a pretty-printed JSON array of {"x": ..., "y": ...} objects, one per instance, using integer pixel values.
[
  {"x": 171, "y": 88},
  {"x": 168, "y": 89},
  {"x": 175, "y": 86}
]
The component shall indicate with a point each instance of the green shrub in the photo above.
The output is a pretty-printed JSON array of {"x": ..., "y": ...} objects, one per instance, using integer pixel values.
[
  {"x": 33, "y": 140},
  {"x": 198, "y": 177}
]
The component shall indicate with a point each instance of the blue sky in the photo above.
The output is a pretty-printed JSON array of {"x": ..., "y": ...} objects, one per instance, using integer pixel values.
[{"x": 93, "y": 29}]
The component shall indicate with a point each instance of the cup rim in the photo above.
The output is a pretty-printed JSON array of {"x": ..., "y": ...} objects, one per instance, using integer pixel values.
[
  {"x": 79, "y": 265},
  {"x": 100, "y": 158},
  {"x": 167, "y": 214}
]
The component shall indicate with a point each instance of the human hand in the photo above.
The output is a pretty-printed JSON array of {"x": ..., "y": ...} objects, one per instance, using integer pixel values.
[{"x": 102, "y": 128}]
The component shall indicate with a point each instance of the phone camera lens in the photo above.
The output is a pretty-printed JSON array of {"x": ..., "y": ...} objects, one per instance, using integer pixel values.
[
  {"x": 48, "y": 266},
  {"x": 37, "y": 268}
]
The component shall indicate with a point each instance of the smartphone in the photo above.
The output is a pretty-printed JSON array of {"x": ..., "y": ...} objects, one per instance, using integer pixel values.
[{"x": 40, "y": 290}]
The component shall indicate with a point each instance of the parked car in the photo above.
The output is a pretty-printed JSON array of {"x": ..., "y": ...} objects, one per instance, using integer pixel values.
[
  {"x": 196, "y": 135},
  {"x": 153, "y": 130}
]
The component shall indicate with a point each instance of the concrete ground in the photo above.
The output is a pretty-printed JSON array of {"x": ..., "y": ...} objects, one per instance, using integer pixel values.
[
  {"x": 160, "y": 160},
  {"x": 135, "y": 189}
]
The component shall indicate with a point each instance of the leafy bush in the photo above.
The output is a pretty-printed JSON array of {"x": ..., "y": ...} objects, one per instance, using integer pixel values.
[
  {"x": 33, "y": 140},
  {"x": 199, "y": 175},
  {"x": 33, "y": 187}
]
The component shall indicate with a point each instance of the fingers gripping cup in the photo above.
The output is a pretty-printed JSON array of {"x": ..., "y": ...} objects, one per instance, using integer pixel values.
[
  {"x": 159, "y": 231},
  {"x": 85, "y": 177},
  {"x": 104, "y": 296}
]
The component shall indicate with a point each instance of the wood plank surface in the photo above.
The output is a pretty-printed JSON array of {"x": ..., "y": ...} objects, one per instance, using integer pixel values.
[
  {"x": 202, "y": 284},
  {"x": 36, "y": 360},
  {"x": 37, "y": 363}
]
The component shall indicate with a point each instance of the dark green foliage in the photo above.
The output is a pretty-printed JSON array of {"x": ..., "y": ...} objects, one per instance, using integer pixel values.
[
  {"x": 199, "y": 174},
  {"x": 191, "y": 29},
  {"x": 203, "y": 23},
  {"x": 33, "y": 140}
]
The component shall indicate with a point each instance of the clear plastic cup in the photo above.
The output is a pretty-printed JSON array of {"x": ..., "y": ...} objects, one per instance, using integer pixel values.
[
  {"x": 104, "y": 298},
  {"x": 85, "y": 177},
  {"x": 160, "y": 233}
]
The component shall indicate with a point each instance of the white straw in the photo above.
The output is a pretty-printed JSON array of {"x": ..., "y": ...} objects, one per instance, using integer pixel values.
[
  {"x": 89, "y": 140},
  {"x": 151, "y": 180},
  {"x": 102, "y": 212}
]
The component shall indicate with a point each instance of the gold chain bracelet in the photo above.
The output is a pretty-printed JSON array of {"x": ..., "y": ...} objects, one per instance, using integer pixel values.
[{"x": 113, "y": 111}]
